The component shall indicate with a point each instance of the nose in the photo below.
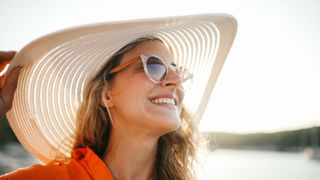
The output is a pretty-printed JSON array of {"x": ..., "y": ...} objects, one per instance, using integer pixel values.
[{"x": 172, "y": 80}]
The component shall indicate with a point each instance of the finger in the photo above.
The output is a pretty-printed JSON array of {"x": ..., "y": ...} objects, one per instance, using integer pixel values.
[
  {"x": 10, "y": 84},
  {"x": 6, "y": 56},
  {"x": 2, "y": 79},
  {"x": 12, "y": 77}
]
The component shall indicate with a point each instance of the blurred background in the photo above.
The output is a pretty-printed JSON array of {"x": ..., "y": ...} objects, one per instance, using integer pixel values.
[{"x": 263, "y": 118}]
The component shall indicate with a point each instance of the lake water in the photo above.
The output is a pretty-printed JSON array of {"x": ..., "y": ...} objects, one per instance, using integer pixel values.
[
  {"x": 258, "y": 165},
  {"x": 217, "y": 165}
]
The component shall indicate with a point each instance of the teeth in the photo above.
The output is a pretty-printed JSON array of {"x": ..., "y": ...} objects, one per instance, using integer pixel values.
[{"x": 163, "y": 101}]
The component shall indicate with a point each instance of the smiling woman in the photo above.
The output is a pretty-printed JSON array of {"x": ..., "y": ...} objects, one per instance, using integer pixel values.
[
  {"x": 136, "y": 113},
  {"x": 107, "y": 101}
]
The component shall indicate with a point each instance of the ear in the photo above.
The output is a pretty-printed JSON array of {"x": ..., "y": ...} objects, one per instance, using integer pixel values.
[{"x": 106, "y": 99}]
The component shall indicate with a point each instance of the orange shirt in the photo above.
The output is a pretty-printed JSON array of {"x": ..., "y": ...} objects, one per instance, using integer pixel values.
[{"x": 85, "y": 164}]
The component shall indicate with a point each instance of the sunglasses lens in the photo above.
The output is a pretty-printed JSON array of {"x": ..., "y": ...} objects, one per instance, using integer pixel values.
[{"x": 156, "y": 69}]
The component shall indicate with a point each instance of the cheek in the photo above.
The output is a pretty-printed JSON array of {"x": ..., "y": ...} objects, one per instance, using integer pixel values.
[
  {"x": 131, "y": 96},
  {"x": 131, "y": 84}
]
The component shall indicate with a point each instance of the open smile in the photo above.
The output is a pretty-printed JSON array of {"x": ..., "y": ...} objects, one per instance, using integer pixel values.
[{"x": 164, "y": 100}]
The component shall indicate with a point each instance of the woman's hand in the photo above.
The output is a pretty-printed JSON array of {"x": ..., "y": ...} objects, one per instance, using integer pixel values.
[{"x": 8, "y": 82}]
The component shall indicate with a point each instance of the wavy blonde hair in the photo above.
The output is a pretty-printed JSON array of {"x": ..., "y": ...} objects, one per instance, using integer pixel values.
[{"x": 176, "y": 150}]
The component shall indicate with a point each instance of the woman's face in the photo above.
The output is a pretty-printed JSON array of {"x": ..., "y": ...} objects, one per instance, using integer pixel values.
[{"x": 139, "y": 105}]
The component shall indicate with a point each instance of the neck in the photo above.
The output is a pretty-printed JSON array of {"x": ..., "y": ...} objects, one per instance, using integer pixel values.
[{"x": 131, "y": 156}]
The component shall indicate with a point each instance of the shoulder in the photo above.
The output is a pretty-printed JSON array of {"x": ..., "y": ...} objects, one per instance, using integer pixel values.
[
  {"x": 35, "y": 171},
  {"x": 52, "y": 170},
  {"x": 84, "y": 164}
]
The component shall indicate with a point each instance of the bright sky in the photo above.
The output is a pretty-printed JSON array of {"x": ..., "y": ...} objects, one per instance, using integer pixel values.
[{"x": 270, "y": 81}]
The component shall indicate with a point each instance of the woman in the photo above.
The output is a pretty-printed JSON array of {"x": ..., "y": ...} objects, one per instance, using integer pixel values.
[
  {"x": 140, "y": 119},
  {"x": 131, "y": 123}
]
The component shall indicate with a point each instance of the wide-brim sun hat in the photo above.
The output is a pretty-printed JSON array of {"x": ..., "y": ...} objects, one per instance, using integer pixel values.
[{"x": 58, "y": 66}]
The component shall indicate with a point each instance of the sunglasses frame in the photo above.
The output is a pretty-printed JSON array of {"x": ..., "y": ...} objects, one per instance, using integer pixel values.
[{"x": 144, "y": 60}]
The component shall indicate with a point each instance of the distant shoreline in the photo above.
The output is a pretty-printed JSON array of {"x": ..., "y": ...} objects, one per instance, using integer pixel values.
[{"x": 291, "y": 141}]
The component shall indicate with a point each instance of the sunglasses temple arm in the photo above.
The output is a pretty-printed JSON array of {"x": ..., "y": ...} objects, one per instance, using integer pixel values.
[
  {"x": 187, "y": 78},
  {"x": 124, "y": 65}
]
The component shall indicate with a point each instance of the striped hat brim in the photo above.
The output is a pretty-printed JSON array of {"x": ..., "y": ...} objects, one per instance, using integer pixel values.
[{"x": 58, "y": 66}]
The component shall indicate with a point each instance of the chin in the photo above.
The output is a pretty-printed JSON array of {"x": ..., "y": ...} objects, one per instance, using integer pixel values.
[{"x": 170, "y": 126}]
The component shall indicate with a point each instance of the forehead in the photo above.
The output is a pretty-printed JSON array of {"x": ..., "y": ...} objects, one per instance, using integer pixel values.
[{"x": 150, "y": 47}]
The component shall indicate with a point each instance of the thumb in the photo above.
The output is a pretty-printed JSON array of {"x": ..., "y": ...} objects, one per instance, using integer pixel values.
[{"x": 10, "y": 85}]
